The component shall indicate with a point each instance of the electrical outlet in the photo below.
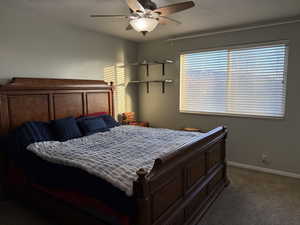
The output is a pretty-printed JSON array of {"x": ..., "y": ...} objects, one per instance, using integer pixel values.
[{"x": 265, "y": 159}]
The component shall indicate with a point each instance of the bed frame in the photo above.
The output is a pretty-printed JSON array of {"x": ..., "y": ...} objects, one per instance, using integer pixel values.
[{"x": 179, "y": 188}]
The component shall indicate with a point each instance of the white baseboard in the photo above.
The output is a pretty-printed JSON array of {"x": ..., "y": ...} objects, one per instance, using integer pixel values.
[{"x": 264, "y": 170}]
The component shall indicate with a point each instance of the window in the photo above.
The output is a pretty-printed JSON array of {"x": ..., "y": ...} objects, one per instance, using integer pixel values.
[
  {"x": 116, "y": 74},
  {"x": 244, "y": 81}
]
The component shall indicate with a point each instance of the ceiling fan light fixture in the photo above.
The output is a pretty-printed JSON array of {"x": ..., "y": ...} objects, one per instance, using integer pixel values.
[{"x": 144, "y": 24}]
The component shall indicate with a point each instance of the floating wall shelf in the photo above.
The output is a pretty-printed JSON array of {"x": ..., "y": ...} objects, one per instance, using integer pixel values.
[
  {"x": 147, "y": 82},
  {"x": 147, "y": 63}
]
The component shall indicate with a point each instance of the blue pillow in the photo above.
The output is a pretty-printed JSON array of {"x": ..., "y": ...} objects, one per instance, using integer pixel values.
[
  {"x": 66, "y": 129},
  {"x": 110, "y": 121},
  {"x": 92, "y": 125},
  {"x": 42, "y": 129},
  {"x": 27, "y": 134},
  {"x": 36, "y": 132}
]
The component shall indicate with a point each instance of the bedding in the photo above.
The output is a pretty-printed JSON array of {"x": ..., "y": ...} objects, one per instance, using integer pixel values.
[
  {"x": 90, "y": 193},
  {"x": 33, "y": 170},
  {"x": 114, "y": 156},
  {"x": 90, "y": 205}
]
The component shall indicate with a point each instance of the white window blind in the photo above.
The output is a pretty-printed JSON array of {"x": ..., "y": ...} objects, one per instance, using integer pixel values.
[
  {"x": 116, "y": 75},
  {"x": 244, "y": 81}
]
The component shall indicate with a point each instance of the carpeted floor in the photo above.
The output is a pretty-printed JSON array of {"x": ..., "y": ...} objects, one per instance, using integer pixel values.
[
  {"x": 256, "y": 199},
  {"x": 251, "y": 199}
]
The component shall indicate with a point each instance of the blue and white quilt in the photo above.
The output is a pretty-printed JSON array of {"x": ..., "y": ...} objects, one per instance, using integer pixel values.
[{"x": 116, "y": 155}]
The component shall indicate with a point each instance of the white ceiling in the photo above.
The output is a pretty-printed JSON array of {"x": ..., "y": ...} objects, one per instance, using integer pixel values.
[{"x": 207, "y": 15}]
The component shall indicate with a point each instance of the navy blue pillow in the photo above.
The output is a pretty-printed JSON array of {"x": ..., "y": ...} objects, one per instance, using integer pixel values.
[
  {"x": 35, "y": 132},
  {"x": 27, "y": 134},
  {"x": 42, "y": 129},
  {"x": 110, "y": 121},
  {"x": 66, "y": 129},
  {"x": 92, "y": 125}
]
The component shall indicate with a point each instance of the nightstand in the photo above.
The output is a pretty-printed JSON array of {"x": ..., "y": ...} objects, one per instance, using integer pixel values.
[
  {"x": 141, "y": 124},
  {"x": 191, "y": 129}
]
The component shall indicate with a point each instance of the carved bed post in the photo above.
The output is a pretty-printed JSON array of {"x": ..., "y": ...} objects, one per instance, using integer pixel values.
[
  {"x": 141, "y": 194},
  {"x": 224, "y": 156},
  {"x": 111, "y": 97},
  {"x": 112, "y": 107}
]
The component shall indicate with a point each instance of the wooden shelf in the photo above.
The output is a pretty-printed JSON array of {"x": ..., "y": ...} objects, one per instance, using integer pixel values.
[
  {"x": 147, "y": 82},
  {"x": 147, "y": 63},
  {"x": 150, "y": 81}
]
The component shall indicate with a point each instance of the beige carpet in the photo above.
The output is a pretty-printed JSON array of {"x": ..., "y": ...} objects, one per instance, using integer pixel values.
[
  {"x": 251, "y": 199},
  {"x": 256, "y": 199}
]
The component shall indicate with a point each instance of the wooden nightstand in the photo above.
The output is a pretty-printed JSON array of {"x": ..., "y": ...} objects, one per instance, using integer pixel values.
[
  {"x": 192, "y": 129},
  {"x": 141, "y": 124}
]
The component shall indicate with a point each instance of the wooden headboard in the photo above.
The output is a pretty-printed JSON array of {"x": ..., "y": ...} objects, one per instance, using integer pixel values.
[{"x": 31, "y": 99}]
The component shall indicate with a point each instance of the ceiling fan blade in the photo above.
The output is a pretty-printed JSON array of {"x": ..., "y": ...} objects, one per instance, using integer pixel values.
[
  {"x": 129, "y": 27},
  {"x": 135, "y": 6},
  {"x": 174, "y": 8},
  {"x": 165, "y": 20},
  {"x": 109, "y": 16}
]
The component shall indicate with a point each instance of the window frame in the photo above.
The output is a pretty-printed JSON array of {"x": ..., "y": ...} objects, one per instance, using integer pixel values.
[{"x": 236, "y": 47}]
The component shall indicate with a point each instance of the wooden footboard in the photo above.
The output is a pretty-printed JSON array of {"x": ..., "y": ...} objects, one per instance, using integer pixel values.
[{"x": 180, "y": 187}]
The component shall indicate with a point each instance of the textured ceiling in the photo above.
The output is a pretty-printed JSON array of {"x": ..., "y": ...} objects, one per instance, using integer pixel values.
[{"x": 207, "y": 15}]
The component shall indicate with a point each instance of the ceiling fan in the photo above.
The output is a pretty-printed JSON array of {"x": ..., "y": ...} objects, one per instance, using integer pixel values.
[{"x": 145, "y": 15}]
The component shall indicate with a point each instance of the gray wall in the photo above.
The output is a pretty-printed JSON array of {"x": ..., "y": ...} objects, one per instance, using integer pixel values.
[
  {"x": 248, "y": 137},
  {"x": 33, "y": 46}
]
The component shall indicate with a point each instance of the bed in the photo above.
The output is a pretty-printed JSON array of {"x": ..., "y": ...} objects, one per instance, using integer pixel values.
[{"x": 177, "y": 190}]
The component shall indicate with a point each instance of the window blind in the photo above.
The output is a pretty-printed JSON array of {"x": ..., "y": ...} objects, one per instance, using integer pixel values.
[
  {"x": 246, "y": 81},
  {"x": 116, "y": 75}
]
